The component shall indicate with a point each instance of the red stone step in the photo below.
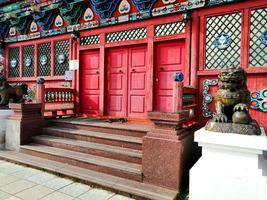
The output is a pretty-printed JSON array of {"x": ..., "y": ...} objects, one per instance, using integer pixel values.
[
  {"x": 103, "y": 150},
  {"x": 110, "y": 166},
  {"x": 127, "y": 129},
  {"x": 136, "y": 190},
  {"x": 96, "y": 137}
]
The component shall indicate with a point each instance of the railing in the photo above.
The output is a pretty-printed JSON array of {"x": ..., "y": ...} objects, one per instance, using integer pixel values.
[{"x": 56, "y": 102}]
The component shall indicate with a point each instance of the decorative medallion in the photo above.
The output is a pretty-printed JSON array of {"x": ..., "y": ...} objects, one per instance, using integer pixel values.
[
  {"x": 43, "y": 60},
  {"x": 28, "y": 62},
  {"x": 33, "y": 27},
  {"x": 12, "y": 31},
  {"x": 13, "y": 63},
  {"x": 61, "y": 58},
  {"x": 58, "y": 21},
  {"x": 124, "y": 7},
  {"x": 178, "y": 77},
  {"x": 263, "y": 37},
  {"x": 207, "y": 97},
  {"x": 168, "y": 1},
  {"x": 88, "y": 15},
  {"x": 222, "y": 41},
  {"x": 259, "y": 100}
]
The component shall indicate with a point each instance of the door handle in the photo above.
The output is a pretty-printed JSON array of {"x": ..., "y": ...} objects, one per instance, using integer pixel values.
[
  {"x": 133, "y": 70},
  {"x": 161, "y": 68},
  {"x": 120, "y": 71},
  {"x": 97, "y": 72}
]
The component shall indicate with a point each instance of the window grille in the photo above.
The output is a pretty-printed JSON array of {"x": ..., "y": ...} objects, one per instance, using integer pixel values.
[
  {"x": 44, "y": 59},
  {"x": 90, "y": 40},
  {"x": 229, "y": 24},
  {"x": 14, "y": 62},
  {"x": 61, "y": 50},
  {"x": 28, "y": 61},
  {"x": 132, "y": 34},
  {"x": 258, "y": 50},
  {"x": 170, "y": 29}
]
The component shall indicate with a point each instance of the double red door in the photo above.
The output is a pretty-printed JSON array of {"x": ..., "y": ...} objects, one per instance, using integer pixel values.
[
  {"x": 90, "y": 83},
  {"x": 169, "y": 58},
  {"x": 126, "y": 85}
]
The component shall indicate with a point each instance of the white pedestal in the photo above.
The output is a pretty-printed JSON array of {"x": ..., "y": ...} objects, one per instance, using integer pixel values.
[
  {"x": 232, "y": 167},
  {"x": 4, "y": 114}
]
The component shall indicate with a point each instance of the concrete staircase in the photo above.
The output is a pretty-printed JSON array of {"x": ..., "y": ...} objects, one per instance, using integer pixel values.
[{"x": 104, "y": 154}]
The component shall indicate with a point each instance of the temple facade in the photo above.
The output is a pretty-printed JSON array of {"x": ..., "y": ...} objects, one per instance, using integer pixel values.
[{"x": 120, "y": 56}]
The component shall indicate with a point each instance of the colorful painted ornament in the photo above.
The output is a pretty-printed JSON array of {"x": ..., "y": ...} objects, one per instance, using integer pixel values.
[
  {"x": 13, "y": 63},
  {"x": 207, "y": 97},
  {"x": 43, "y": 60},
  {"x": 61, "y": 58},
  {"x": 124, "y": 7},
  {"x": 168, "y": 1},
  {"x": 12, "y": 31},
  {"x": 88, "y": 15},
  {"x": 259, "y": 100},
  {"x": 263, "y": 37},
  {"x": 58, "y": 21},
  {"x": 28, "y": 62},
  {"x": 222, "y": 41},
  {"x": 33, "y": 27}
]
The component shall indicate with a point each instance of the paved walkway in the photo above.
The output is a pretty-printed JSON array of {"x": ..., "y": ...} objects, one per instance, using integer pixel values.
[{"x": 22, "y": 183}]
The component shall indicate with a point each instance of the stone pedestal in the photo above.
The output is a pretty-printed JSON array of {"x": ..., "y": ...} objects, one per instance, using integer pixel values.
[
  {"x": 166, "y": 150},
  {"x": 4, "y": 114},
  {"x": 26, "y": 122},
  {"x": 232, "y": 167}
]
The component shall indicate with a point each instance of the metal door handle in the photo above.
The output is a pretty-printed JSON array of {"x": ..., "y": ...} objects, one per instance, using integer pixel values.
[
  {"x": 97, "y": 72},
  {"x": 133, "y": 70},
  {"x": 120, "y": 71},
  {"x": 161, "y": 68}
]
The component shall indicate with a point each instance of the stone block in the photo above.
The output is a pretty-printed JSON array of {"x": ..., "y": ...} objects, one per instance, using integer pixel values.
[
  {"x": 232, "y": 167},
  {"x": 4, "y": 114}
]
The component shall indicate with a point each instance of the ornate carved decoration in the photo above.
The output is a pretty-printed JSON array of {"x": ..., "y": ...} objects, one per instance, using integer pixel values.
[
  {"x": 4, "y": 29},
  {"x": 71, "y": 12},
  {"x": 104, "y": 8},
  {"x": 207, "y": 98},
  {"x": 144, "y": 5}
]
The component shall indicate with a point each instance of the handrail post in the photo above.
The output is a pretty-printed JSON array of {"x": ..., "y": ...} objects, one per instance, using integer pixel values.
[
  {"x": 40, "y": 93},
  {"x": 178, "y": 92}
]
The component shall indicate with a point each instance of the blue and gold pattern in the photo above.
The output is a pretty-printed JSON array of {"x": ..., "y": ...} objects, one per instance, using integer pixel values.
[
  {"x": 207, "y": 97},
  {"x": 259, "y": 100}
]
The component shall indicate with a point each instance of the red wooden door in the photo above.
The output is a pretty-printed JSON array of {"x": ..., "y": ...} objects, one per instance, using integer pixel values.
[
  {"x": 137, "y": 82},
  {"x": 90, "y": 82},
  {"x": 117, "y": 82},
  {"x": 127, "y": 82},
  {"x": 170, "y": 58}
]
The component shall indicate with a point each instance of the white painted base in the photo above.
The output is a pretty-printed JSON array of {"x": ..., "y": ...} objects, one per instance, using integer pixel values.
[
  {"x": 232, "y": 167},
  {"x": 4, "y": 114}
]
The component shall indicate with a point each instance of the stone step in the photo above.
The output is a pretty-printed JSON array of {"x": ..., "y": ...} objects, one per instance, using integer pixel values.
[
  {"x": 96, "y": 137},
  {"x": 137, "y": 190},
  {"x": 127, "y": 129},
  {"x": 110, "y": 166},
  {"x": 103, "y": 150}
]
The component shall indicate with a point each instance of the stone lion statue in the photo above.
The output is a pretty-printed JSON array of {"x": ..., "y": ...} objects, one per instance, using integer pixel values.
[
  {"x": 10, "y": 93},
  {"x": 232, "y": 102}
]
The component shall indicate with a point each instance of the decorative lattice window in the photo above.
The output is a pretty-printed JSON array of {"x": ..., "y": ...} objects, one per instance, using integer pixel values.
[
  {"x": 14, "y": 62},
  {"x": 258, "y": 50},
  {"x": 28, "y": 61},
  {"x": 89, "y": 40},
  {"x": 229, "y": 26},
  {"x": 44, "y": 59},
  {"x": 61, "y": 57},
  {"x": 133, "y": 34},
  {"x": 170, "y": 29}
]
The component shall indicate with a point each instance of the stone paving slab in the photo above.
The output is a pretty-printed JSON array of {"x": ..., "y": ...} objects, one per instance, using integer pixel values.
[{"x": 23, "y": 183}]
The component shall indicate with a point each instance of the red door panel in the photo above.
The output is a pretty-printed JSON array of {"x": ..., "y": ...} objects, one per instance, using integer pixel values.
[
  {"x": 117, "y": 82},
  {"x": 137, "y": 82},
  {"x": 170, "y": 58},
  {"x": 90, "y": 82}
]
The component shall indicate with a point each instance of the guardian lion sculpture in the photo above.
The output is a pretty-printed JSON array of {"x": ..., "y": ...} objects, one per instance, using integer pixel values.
[
  {"x": 232, "y": 102},
  {"x": 10, "y": 93}
]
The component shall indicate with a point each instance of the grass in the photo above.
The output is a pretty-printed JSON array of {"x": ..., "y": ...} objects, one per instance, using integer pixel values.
[{"x": 183, "y": 197}]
